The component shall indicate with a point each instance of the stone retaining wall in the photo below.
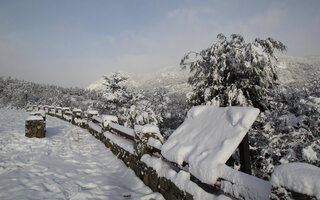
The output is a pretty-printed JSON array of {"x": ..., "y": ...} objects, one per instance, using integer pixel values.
[{"x": 148, "y": 175}]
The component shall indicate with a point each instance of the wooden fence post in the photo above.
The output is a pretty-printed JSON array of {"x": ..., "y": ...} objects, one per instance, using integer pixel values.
[{"x": 245, "y": 163}]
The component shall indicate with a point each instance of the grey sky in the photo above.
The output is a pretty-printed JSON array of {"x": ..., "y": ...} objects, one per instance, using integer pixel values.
[{"x": 73, "y": 43}]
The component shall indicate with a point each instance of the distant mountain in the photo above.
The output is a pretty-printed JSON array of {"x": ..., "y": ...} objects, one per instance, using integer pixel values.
[
  {"x": 172, "y": 78},
  {"x": 299, "y": 70},
  {"x": 292, "y": 70},
  {"x": 97, "y": 85}
]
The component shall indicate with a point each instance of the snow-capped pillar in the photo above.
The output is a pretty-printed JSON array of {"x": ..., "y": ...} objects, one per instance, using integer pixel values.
[
  {"x": 59, "y": 112},
  {"x": 76, "y": 114},
  {"x": 46, "y": 108},
  {"x": 90, "y": 114},
  {"x": 29, "y": 108},
  {"x": 142, "y": 136},
  {"x": 106, "y": 120},
  {"x": 51, "y": 110}
]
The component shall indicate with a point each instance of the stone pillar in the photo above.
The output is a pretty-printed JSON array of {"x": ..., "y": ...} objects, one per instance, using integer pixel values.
[
  {"x": 35, "y": 127},
  {"x": 141, "y": 138},
  {"x": 74, "y": 115},
  {"x": 90, "y": 114}
]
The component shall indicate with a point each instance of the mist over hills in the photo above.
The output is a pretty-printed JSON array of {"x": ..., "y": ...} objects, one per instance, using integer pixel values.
[
  {"x": 298, "y": 70},
  {"x": 174, "y": 79},
  {"x": 295, "y": 71}
]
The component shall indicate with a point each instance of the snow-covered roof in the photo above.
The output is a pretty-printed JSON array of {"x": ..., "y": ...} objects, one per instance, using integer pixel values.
[
  {"x": 299, "y": 177},
  {"x": 208, "y": 137}
]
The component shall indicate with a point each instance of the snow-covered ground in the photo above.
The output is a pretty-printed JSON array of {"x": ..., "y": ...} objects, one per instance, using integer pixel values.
[{"x": 68, "y": 164}]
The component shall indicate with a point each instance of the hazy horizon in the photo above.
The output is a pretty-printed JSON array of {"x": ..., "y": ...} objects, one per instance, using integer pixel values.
[{"x": 74, "y": 43}]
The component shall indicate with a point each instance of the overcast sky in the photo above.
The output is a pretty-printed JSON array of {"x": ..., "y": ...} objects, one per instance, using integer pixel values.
[{"x": 74, "y": 43}]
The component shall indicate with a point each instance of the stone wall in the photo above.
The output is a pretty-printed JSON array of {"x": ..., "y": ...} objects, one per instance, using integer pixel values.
[
  {"x": 148, "y": 175},
  {"x": 36, "y": 128}
]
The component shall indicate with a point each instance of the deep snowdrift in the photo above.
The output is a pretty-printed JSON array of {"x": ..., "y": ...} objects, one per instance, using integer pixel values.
[
  {"x": 68, "y": 164},
  {"x": 208, "y": 137}
]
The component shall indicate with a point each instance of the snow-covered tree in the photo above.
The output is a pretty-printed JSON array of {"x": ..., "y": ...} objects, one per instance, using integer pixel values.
[
  {"x": 116, "y": 95},
  {"x": 143, "y": 110},
  {"x": 233, "y": 72}
]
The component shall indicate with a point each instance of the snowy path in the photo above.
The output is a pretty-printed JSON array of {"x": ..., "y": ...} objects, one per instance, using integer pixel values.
[{"x": 68, "y": 164}]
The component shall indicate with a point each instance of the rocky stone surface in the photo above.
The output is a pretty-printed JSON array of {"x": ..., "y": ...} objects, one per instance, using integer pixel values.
[{"x": 35, "y": 127}]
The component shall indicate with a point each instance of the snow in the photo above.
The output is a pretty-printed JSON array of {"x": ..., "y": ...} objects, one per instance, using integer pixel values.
[
  {"x": 208, "y": 137},
  {"x": 109, "y": 118},
  {"x": 67, "y": 117},
  {"x": 123, "y": 129},
  {"x": 290, "y": 119},
  {"x": 120, "y": 141},
  {"x": 65, "y": 108},
  {"x": 309, "y": 154},
  {"x": 69, "y": 163},
  {"x": 171, "y": 78},
  {"x": 34, "y": 117},
  {"x": 80, "y": 121},
  {"x": 299, "y": 177},
  {"x": 39, "y": 112},
  {"x": 97, "y": 85},
  {"x": 92, "y": 112},
  {"x": 68, "y": 112},
  {"x": 154, "y": 143},
  {"x": 243, "y": 185},
  {"x": 148, "y": 128},
  {"x": 77, "y": 110},
  {"x": 315, "y": 100},
  {"x": 181, "y": 179},
  {"x": 95, "y": 127},
  {"x": 96, "y": 118}
]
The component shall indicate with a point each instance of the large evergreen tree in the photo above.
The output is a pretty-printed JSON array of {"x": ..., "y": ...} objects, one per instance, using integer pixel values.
[
  {"x": 233, "y": 72},
  {"x": 116, "y": 96}
]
